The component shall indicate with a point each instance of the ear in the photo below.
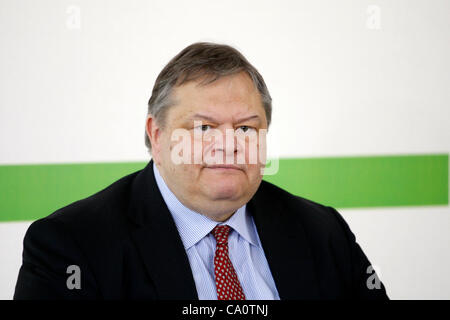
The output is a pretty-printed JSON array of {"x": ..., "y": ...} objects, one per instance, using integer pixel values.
[{"x": 154, "y": 134}]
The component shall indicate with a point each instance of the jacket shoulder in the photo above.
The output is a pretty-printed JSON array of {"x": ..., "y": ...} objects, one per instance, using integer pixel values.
[
  {"x": 88, "y": 233},
  {"x": 319, "y": 221},
  {"x": 107, "y": 203},
  {"x": 100, "y": 215},
  {"x": 294, "y": 205}
]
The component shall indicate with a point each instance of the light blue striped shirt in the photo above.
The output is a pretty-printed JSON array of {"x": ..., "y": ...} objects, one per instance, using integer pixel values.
[{"x": 244, "y": 246}]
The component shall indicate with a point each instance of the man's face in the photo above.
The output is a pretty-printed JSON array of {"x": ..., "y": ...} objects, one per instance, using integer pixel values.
[{"x": 230, "y": 105}]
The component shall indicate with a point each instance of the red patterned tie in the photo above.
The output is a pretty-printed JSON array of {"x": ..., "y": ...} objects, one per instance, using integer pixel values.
[{"x": 227, "y": 282}]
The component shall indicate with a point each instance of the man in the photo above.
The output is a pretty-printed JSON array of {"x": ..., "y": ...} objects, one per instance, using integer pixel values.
[{"x": 197, "y": 223}]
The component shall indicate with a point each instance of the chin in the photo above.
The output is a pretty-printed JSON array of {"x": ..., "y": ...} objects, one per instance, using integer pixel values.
[{"x": 221, "y": 191}]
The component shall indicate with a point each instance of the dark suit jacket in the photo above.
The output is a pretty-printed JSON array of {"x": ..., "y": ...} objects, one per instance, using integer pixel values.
[{"x": 126, "y": 244}]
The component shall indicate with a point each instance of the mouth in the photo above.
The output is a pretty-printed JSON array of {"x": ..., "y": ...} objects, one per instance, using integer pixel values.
[{"x": 224, "y": 167}]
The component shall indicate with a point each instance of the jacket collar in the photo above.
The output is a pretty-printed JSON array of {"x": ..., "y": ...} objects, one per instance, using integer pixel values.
[
  {"x": 285, "y": 244},
  {"x": 158, "y": 241}
]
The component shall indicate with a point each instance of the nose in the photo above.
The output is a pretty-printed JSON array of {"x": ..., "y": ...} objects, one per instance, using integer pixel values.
[{"x": 224, "y": 142}]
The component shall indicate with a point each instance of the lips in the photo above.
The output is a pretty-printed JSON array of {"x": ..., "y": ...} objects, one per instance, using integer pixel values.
[{"x": 224, "y": 166}]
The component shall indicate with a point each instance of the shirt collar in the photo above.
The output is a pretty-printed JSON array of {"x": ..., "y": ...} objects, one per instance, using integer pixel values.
[{"x": 194, "y": 226}]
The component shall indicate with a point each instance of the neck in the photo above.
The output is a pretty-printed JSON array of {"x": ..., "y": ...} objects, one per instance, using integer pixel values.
[{"x": 220, "y": 217}]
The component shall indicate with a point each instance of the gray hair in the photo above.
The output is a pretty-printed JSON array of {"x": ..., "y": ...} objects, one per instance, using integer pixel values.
[{"x": 201, "y": 61}]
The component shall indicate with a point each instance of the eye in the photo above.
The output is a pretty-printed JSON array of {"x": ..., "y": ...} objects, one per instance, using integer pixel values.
[
  {"x": 203, "y": 128},
  {"x": 245, "y": 129}
]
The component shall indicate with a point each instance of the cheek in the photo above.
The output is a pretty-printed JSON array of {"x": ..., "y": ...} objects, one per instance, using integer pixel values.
[
  {"x": 177, "y": 150},
  {"x": 254, "y": 173},
  {"x": 253, "y": 149},
  {"x": 197, "y": 149}
]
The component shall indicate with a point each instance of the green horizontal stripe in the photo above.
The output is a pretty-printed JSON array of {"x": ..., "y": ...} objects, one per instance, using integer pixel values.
[
  {"x": 29, "y": 192},
  {"x": 375, "y": 181}
]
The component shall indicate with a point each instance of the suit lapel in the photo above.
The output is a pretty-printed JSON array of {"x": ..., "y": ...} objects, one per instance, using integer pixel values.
[
  {"x": 158, "y": 240},
  {"x": 285, "y": 247}
]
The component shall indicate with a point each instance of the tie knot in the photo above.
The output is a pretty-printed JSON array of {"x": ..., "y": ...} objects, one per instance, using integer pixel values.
[{"x": 221, "y": 234}]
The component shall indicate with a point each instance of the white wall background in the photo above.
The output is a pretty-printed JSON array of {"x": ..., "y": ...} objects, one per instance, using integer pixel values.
[{"x": 347, "y": 78}]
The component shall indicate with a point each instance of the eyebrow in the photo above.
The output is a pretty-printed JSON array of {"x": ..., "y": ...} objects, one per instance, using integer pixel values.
[{"x": 212, "y": 119}]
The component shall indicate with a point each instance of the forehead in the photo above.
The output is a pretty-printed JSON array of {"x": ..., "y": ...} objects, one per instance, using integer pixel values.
[{"x": 227, "y": 97}]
